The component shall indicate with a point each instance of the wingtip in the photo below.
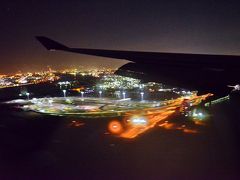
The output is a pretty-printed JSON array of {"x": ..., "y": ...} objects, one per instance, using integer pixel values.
[{"x": 50, "y": 44}]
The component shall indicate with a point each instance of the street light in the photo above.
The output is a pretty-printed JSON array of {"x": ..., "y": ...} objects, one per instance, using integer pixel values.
[
  {"x": 124, "y": 95},
  {"x": 82, "y": 93},
  {"x": 142, "y": 93},
  {"x": 64, "y": 92},
  {"x": 100, "y": 94}
]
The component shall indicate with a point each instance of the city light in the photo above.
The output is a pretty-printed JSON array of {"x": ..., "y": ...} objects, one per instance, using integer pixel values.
[
  {"x": 118, "y": 82},
  {"x": 19, "y": 79},
  {"x": 140, "y": 116}
]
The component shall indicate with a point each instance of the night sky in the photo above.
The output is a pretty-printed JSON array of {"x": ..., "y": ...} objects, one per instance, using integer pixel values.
[{"x": 211, "y": 26}]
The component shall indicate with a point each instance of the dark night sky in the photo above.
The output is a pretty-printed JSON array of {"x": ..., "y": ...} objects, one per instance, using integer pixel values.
[{"x": 173, "y": 26}]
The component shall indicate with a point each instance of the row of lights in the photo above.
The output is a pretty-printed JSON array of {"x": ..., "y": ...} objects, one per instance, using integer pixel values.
[
  {"x": 100, "y": 94},
  {"x": 82, "y": 94}
]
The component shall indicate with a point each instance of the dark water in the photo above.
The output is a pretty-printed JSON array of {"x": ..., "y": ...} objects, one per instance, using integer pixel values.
[{"x": 37, "y": 146}]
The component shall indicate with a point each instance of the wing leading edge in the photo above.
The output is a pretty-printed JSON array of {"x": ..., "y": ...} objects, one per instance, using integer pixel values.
[{"x": 168, "y": 59}]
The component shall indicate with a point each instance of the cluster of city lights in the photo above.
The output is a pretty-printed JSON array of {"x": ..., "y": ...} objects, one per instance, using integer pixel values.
[
  {"x": 94, "y": 72},
  {"x": 118, "y": 82},
  {"x": 20, "y": 79}
]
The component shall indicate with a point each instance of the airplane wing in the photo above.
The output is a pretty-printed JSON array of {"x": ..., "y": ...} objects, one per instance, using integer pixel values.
[
  {"x": 194, "y": 71},
  {"x": 213, "y": 61}
]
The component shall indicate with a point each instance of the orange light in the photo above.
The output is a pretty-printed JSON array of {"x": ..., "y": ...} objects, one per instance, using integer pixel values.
[
  {"x": 115, "y": 127},
  {"x": 191, "y": 131},
  {"x": 78, "y": 89},
  {"x": 201, "y": 123}
]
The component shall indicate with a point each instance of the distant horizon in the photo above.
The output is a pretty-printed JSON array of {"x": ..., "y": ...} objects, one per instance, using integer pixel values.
[{"x": 57, "y": 69}]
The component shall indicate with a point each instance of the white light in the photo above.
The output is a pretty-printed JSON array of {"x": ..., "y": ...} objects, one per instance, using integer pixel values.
[
  {"x": 139, "y": 121},
  {"x": 64, "y": 93},
  {"x": 100, "y": 94},
  {"x": 82, "y": 93},
  {"x": 124, "y": 95},
  {"x": 142, "y": 93}
]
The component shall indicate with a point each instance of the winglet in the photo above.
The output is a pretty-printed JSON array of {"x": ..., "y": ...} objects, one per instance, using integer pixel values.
[{"x": 50, "y": 44}]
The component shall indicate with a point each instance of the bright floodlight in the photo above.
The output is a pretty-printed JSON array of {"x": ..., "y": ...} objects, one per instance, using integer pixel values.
[
  {"x": 142, "y": 94},
  {"x": 138, "y": 121},
  {"x": 100, "y": 94},
  {"x": 82, "y": 93},
  {"x": 124, "y": 95},
  {"x": 64, "y": 92}
]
